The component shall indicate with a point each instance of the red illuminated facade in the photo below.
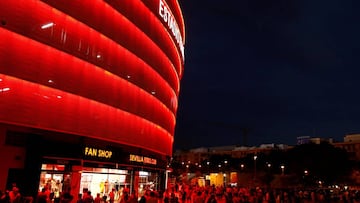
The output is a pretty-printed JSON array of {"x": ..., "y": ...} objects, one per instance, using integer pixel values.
[{"x": 75, "y": 76}]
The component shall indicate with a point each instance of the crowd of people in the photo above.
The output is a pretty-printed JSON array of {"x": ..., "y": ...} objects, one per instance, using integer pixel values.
[
  {"x": 184, "y": 193},
  {"x": 13, "y": 195}
]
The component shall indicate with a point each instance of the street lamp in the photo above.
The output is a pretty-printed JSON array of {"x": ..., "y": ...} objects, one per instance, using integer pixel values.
[
  {"x": 305, "y": 177},
  {"x": 225, "y": 170},
  {"x": 269, "y": 167},
  {"x": 255, "y": 157},
  {"x": 282, "y": 169}
]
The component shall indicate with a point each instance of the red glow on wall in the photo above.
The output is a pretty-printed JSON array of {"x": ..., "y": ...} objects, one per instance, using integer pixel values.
[
  {"x": 34, "y": 62},
  {"x": 50, "y": 109},
  {"x": 86, "y": 43},
  {"x": 91, "y": 71},
  {"x": 102, "y": 17}
]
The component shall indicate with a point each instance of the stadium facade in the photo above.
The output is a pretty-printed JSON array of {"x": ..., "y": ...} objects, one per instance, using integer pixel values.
[{"x": 88, "y": 93}]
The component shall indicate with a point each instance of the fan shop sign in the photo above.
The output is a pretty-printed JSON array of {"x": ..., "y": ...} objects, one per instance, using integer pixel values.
[
  {"x": 142, "y": 159},
  {"x": 98, "y": 153}
]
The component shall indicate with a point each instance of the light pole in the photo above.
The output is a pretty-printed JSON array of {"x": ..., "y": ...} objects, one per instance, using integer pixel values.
[
  {"x": 269, "y": 167},
  {"x": 225, "y": 170},
  {"x": 306, "y": 172},
  {"x": 208, "y": 167},
  {"x": 255, "y": 157},
  {"x": 282, "y": 169}
]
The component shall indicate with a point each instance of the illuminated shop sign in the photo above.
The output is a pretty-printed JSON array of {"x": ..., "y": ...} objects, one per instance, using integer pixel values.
[
  {"x": 168, "y": 18},
  {"x": 94, "y": 152},
  {"x": 142, "y": 159}
]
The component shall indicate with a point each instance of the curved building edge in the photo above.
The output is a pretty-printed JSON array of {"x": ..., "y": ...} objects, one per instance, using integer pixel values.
[{"x": 83, "y": 106}]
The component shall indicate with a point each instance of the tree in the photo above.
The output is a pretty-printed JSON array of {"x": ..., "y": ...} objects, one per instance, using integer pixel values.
[{"x": 322, "y": 162}]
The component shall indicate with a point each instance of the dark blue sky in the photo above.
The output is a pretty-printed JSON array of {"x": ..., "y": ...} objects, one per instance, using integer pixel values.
[{"x": 278, "y": 68}]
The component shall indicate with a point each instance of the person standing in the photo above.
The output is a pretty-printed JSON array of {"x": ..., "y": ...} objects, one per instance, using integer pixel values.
[
  {"x": 5, "y": 198},
  {"x": 143, "y": 198},
  {"x": 15, "y": 196},
  {"x": 112, "y": 196},
  {"x": 132, "y": 198},
  {"x": 199, "y": 198},
  {"x": 42, "y": 196},
  {"x": 97, "y": 199},
  {"x": 66, "y": 196},
  {"x": 89, "y": 198},
  {"x": 80, "y": 198},
  {"x": 152, "y": 198}
]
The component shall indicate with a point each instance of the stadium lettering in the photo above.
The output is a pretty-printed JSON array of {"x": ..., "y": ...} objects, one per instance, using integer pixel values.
[{"x": 168, "y": 18}]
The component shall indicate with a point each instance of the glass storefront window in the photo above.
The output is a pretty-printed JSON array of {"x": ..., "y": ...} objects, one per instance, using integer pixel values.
[
  {"x": 102, "y": 180},
  {"x": 54, "y": 182},
  {"x": 147, "y": 181}
]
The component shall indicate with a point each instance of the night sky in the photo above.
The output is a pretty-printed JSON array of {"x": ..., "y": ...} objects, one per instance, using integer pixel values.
[{"x": 272, "y": 70}]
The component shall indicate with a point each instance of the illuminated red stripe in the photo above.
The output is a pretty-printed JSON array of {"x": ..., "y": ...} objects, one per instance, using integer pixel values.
[
  {"x": 39, "y": 63},
  {"x": 24, "y": 16},
  {"x": 149, "y": 21},
  {"x": 108, "y": 21},
  {"x": 115, "y": 58},
  {"x": 51, "y": 109}
]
